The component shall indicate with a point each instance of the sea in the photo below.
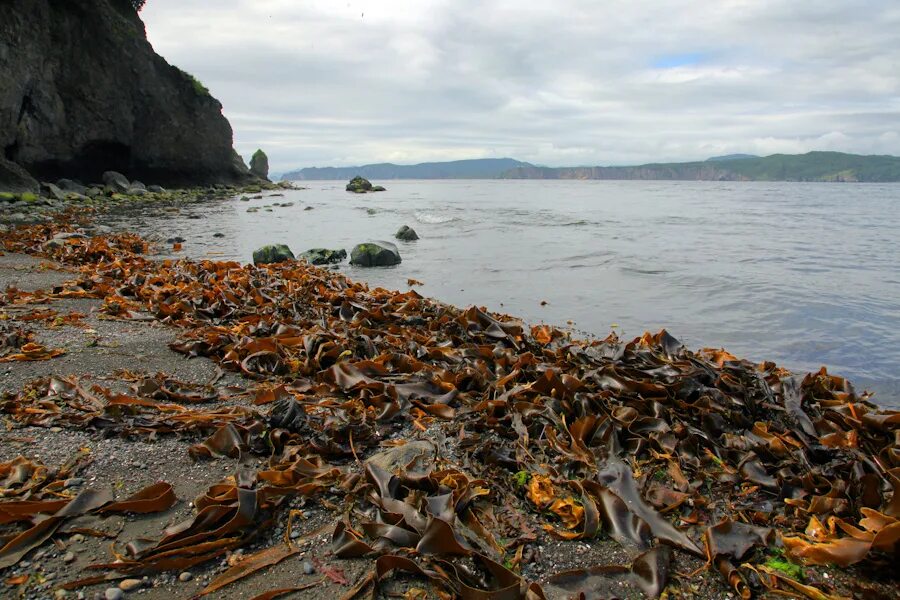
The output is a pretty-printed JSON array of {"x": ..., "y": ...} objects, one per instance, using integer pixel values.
[{"x": 803, "y": 274}]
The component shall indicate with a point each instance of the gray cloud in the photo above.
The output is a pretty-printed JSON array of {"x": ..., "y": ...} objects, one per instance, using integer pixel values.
[{"x": 572, "y": 82}]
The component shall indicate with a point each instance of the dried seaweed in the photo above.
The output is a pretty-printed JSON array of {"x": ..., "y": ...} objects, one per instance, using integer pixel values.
[{"x": 660, "y": 448}]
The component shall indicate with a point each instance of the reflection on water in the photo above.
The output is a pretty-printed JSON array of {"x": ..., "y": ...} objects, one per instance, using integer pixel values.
[{"x": 801, "y": 273}]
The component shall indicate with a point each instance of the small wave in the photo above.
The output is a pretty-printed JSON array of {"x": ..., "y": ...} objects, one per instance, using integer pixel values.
[
  {"x": 644, "y": 271},
  {"x": 434, "y": 218}
]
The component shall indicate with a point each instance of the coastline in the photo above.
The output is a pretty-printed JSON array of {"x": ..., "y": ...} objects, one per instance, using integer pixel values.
[{"x": 390, "y": 366}]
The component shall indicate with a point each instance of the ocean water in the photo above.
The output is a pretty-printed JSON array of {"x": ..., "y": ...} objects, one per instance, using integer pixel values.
[{"x": 804, "y": 274}]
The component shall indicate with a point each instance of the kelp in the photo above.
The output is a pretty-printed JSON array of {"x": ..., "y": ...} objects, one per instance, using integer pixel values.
[{"x": 659, "y": 448}]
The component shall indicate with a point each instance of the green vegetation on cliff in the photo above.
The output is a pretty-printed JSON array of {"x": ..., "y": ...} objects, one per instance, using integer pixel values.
[{"x": 812, "y": 166}]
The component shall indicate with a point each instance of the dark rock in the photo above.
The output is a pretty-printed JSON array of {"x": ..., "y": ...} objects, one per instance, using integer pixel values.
[
  {"x": 406, "y": 234},
  {"x": 359, "y": 185},
  {"x": 67, "y": 185},
  {"x": 13, "y": 178},
  {"x": 83, "y": 91},
  {"x": 322, "y": 256},
  {"x": 156, "y": 189},
  {"x": 259, "y": 165},
  {"x": 272, "y": 254},
  {"x": 116, "y": 181},
  {"x": 378, "y": 188},
  {"x": 51, "y": 191},
  {"x": 218, "y": 235},
  {"x": 93, "y": 192},
  {"x": 137, "y": 185},
  {"x": 375, "y": 254},
  {"x": 176, "y": 240}
]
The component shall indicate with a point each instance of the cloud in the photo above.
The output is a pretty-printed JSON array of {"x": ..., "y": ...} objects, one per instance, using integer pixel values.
[{"x": 330, "y": 82}]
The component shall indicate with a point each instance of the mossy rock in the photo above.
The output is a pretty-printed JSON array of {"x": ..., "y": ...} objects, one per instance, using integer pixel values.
[
  {"x": 28, "y": 197},
  {"x": 323, "y": 256},
  {"x": 8, "y": 196},
  {"x": 275, "y": 253},
  {"x": 359, "y": 185},
  {"x": 375, "y": 254}
]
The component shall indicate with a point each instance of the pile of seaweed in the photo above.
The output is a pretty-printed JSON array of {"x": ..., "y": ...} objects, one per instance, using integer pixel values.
[{"x": 532, "y": 434}]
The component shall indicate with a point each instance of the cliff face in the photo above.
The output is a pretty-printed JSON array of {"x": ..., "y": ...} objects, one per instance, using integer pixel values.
[{"x": 82, "y": 92}]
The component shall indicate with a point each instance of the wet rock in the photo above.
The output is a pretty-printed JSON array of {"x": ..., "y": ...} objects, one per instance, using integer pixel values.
[
  {"x": 116, "y": 181},
  {"x": 375, "y": 254},
  {"x": 378, "y": 188},
  {"x": 113, "y": 594},
  {"x": 406, "y": 234},
  {"x": 259, "y": 165},
  {"x": 412, "y": 457},
  {"x": 218, "y": 235},
  {"x": 156, "y": 189},
  {"x": 272, "y": 254},
  {"x": 323, "y": 256},
  {"x": 176, "y": 240}
]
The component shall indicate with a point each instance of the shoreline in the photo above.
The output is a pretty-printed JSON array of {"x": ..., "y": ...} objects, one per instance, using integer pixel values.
[{"x": 473, "y": 382}]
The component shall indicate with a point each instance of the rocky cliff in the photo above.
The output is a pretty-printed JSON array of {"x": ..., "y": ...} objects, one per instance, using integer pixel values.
[{"x": 82, "y": 92}]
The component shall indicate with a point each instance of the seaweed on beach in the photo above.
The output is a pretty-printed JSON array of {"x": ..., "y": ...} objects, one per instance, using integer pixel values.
[{"x": 526, "y": 434}]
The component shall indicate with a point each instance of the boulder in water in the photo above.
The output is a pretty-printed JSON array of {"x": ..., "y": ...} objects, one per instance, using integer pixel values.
[
  {"x": 259, "y": 165},
  {"x": 375, "y": 254},
  {"x": 323, "y": 256},
  {"x": 361, "y": 185},
  {"x": 274, "y": 253},
  {"x": 406, "y": 234}
]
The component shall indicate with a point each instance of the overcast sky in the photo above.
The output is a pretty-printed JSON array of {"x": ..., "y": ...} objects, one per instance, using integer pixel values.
[{"x": 568, "y": 82}]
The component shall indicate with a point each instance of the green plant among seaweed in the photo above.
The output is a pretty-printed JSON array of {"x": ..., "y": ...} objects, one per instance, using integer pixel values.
[
  {"x": 780, "y": 563},
  {"x": 521, "y": 478}
]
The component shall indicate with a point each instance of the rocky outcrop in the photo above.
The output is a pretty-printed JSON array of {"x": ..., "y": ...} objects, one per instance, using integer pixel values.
[
  {"x": 406, "y": 234},
  {"x": 83, "y": 92},
  {"x": 361, "y": 185},
  {"x": 259, "y": 165},
  {"x": 272, "y": 254},
  {"x": 375, "y": 254}
]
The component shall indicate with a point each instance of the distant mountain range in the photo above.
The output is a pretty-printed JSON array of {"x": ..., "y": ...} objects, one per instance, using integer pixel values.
[
  {"x": 481, "y": 168},
  {"x": 813, "y": 166}
]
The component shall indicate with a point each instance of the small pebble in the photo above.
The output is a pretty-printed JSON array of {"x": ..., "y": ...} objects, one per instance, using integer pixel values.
[
  {"x": 185, "y": 576},
  {"x": 113, "y": 594},
  {"x": 308, "y": 568},
  {"x": 60, "y": 594},
  {"x": 128, "y": 585},
  {"x": 77, "y": 538},
  {"x": 68, "y": 557}
]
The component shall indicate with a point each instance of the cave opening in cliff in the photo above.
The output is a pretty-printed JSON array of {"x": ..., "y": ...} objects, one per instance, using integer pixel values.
[{"x": 99, "y": 156}]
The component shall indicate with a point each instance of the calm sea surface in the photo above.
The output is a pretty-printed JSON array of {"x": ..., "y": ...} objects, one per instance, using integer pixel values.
[{"x": 803, "y": 274}]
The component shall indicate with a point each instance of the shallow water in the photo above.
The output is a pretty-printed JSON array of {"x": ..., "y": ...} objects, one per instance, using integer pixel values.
[{"x": 804, "y": 274}]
